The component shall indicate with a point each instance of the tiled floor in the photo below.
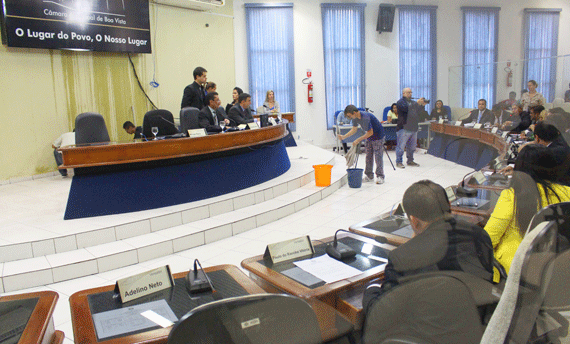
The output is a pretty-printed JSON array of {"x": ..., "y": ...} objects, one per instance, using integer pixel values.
[{"x": 340, "y": 210}]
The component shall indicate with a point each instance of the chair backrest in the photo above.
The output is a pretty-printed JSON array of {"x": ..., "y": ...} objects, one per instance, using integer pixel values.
[
  {"x": 189, "y": 119},
  {"x": 90, "y": 128},
  {"x": 385, "y": 113},
  {"x": 557, "y": 102},
  {"x": 431, "y": 308},
  {"x": 253, "y": 319},
  {"x": 529, "y": 277},
  {"x": 162, "y": 119},
  {"x": 448, "y": 108}
]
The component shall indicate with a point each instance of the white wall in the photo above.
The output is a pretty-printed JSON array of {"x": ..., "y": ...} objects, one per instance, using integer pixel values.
[{"x": 382, "y": 67}]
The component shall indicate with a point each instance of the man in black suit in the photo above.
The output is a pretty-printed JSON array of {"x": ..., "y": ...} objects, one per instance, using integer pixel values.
[
  {"x": 194, "y": 94},
  {"x": 240, "y": 113},
  {"x": 209, "y": 117},
  {"x": 480, "y": 115},
  {"x": 548, "y": 135},
  {"x": 500, "y": 116}
]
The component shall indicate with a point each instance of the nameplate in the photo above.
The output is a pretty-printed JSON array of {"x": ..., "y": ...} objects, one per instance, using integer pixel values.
[
  {"x": 289, "y": 249},
  {"x": 242, "y": 126},
  {"x": 509, "y": 139},
  {"x": 145, "y": 283},
  {"x": 197, "y": 132},
  {"x": 505, "y": 134},
  {"x": 450, "y": 194},
  {"x": 477, "y": 126},
  {"x": 458, "y": 123},
  {"x": 253, "y": 125},
  {"x": 479, "y": 177},
  {"x": 441, "y": 121},
  {"x": 494, "y": 130}
]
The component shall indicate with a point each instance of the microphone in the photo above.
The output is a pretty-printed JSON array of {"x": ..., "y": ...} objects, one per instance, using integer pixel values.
[
  {"x": 466, "y": 192},
  {"x": 197, "y": 281},
  {"x": 338, "y": 250}
]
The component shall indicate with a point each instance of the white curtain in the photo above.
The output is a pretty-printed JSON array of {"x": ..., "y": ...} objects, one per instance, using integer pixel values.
[
  {"x": 270, "y": 53},
  {"x": 540, "y": 45},
  {"x": 418, "y": 62},
  {"x": 480, "y": 39},
  {"x": 343, "y": 41}
]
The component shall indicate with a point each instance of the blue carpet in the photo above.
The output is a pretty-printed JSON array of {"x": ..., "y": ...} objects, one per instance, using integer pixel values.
[{"x": 136, "y": 190}]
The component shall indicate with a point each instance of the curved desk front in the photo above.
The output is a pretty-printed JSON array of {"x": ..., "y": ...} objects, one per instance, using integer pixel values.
[
  {"x": 469, "y": 147},
  {"x": 115, "y": 178}
]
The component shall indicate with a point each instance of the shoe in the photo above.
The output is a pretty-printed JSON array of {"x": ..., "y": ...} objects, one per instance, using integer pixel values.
[
  {"x": 379, "y": 180},
  {"x": 367, "y": 180},
  {"x": 400, "y": 165},
  {"x": 411, "y": 163}
]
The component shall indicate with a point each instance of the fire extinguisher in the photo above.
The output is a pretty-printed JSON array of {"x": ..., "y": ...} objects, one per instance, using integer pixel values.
[{"x": 309, "y": 86}]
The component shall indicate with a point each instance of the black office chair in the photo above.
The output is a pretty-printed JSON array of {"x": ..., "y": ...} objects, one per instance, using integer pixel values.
[
  {"x": 437, "y": 307},
  {"x": 162, "y": 119},
  {"x": 253, "y": 319},
  {"x": 189, "y": 119},
  {"x": 90, "y": 128}
]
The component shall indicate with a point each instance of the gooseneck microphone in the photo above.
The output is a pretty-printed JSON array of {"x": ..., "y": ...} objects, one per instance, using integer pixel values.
[
  {"x": 197, "y": 281},
  {"x": 338, "y": 250},
  {"x": 466, "y": 192}
]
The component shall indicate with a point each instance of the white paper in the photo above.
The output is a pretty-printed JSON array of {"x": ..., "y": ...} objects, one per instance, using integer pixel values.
[
  {"x": 328, "y": 269},
  {"x": 157, "y": 319},
  {"x": 129, "y": 319}
]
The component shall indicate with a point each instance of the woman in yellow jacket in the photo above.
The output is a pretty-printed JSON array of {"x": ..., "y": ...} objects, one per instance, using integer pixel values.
[{"x": 533, "y": 187}]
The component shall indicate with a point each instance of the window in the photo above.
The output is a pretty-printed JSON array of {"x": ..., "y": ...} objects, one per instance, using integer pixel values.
[
  {"x": 271, "y": 54},
  {"x": 418, "y": 63},
  {"x": 540, "y": 45},
  {"x": 343, "y": 41},
  {"x": 480, "y": 39}
]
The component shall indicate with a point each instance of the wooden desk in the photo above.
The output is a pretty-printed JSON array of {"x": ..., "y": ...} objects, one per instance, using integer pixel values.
[
  {"x": 289, "y": 116},
  {"x": 481, "y": 135},
  {"x": 40, "y": 328},
  {"x": 272, "y": 280},
  {"x": 488, "y": 184},
  {"x": 490, "y": 195},
  {"x": 112, "y": 153},
  {"x": 81, "y": 316}
]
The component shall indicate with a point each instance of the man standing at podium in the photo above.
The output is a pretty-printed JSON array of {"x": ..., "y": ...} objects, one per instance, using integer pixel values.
[
  {"x": 440, "y": 242},
  {"x": 374, "y": 136},
  {"x": 407, "y": 127}
]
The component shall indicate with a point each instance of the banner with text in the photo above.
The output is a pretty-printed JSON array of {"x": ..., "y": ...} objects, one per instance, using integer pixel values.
[{"x": 98, "y": 25}]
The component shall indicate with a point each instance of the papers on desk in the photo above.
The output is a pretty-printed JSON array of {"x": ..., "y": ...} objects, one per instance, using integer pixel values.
[
  {"x": 327, "y": 269},
  {"x": 129, "y": 319}
]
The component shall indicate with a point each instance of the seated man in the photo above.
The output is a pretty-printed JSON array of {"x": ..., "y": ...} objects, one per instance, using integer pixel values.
[
  {"x": 480, "y": 115},
  {"x": 210, "y": 118},
  {"x": 440, "y": 242},
  {"x": 500, "y": 116},
  {"x": 131, "y": 129},
  {"x": 548, "y": 135},
  {"x": 67, "y": 139},
  {"x": 240, "y": 113}
]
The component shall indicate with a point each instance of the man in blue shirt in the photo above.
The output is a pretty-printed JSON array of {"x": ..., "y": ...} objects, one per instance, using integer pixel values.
[{"x": 374, "y": 136}]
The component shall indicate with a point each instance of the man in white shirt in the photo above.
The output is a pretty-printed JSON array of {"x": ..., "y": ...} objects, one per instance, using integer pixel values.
[{"x": 67, "y": 139}]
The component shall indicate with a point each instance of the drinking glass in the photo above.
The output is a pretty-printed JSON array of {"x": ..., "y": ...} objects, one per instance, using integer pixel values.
[
  {"x": 223, "y": 124},
  {"x": 154, "y": 131}
]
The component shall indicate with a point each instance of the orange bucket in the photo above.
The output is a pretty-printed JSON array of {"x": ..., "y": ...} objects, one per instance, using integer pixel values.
[{"x": 322, "y": 175}]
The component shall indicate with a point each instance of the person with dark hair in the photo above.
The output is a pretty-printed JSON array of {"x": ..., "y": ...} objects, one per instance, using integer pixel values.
[
  {"x": 439, "y": 112},
  {"x": 374, "y": 136},
  {"x": 210, "y": 87},
  {"x": 533, "y": 186},
  {"x": 440, "y": 243},
  {"x": 241, "y": 113},
  {"x": 532, "y": 97},
  {"x": 235, "y": 95},
  {"x": 537, "y": 114},
  {"x": 508, "y": 103},
  {"x": 567, "y": 95},
  {"x": 549, "y": 136},
  {"x": 131, "y": 129},
  {"x": 194, "y": 93},
  {"x": 500, "y": 116},
  {"x": 480, "y": 115},
  {"x": 66, "y": 139},
  {"x": 392, "y": 115},
  {"x": 407, "y": 128},
  {"x": 210, "y": 116}
]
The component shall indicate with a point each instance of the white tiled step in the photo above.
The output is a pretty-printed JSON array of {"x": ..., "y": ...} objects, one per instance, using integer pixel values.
[
  {"x": 145, "y": 246},
  {"x": 105, "y": 229}
]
